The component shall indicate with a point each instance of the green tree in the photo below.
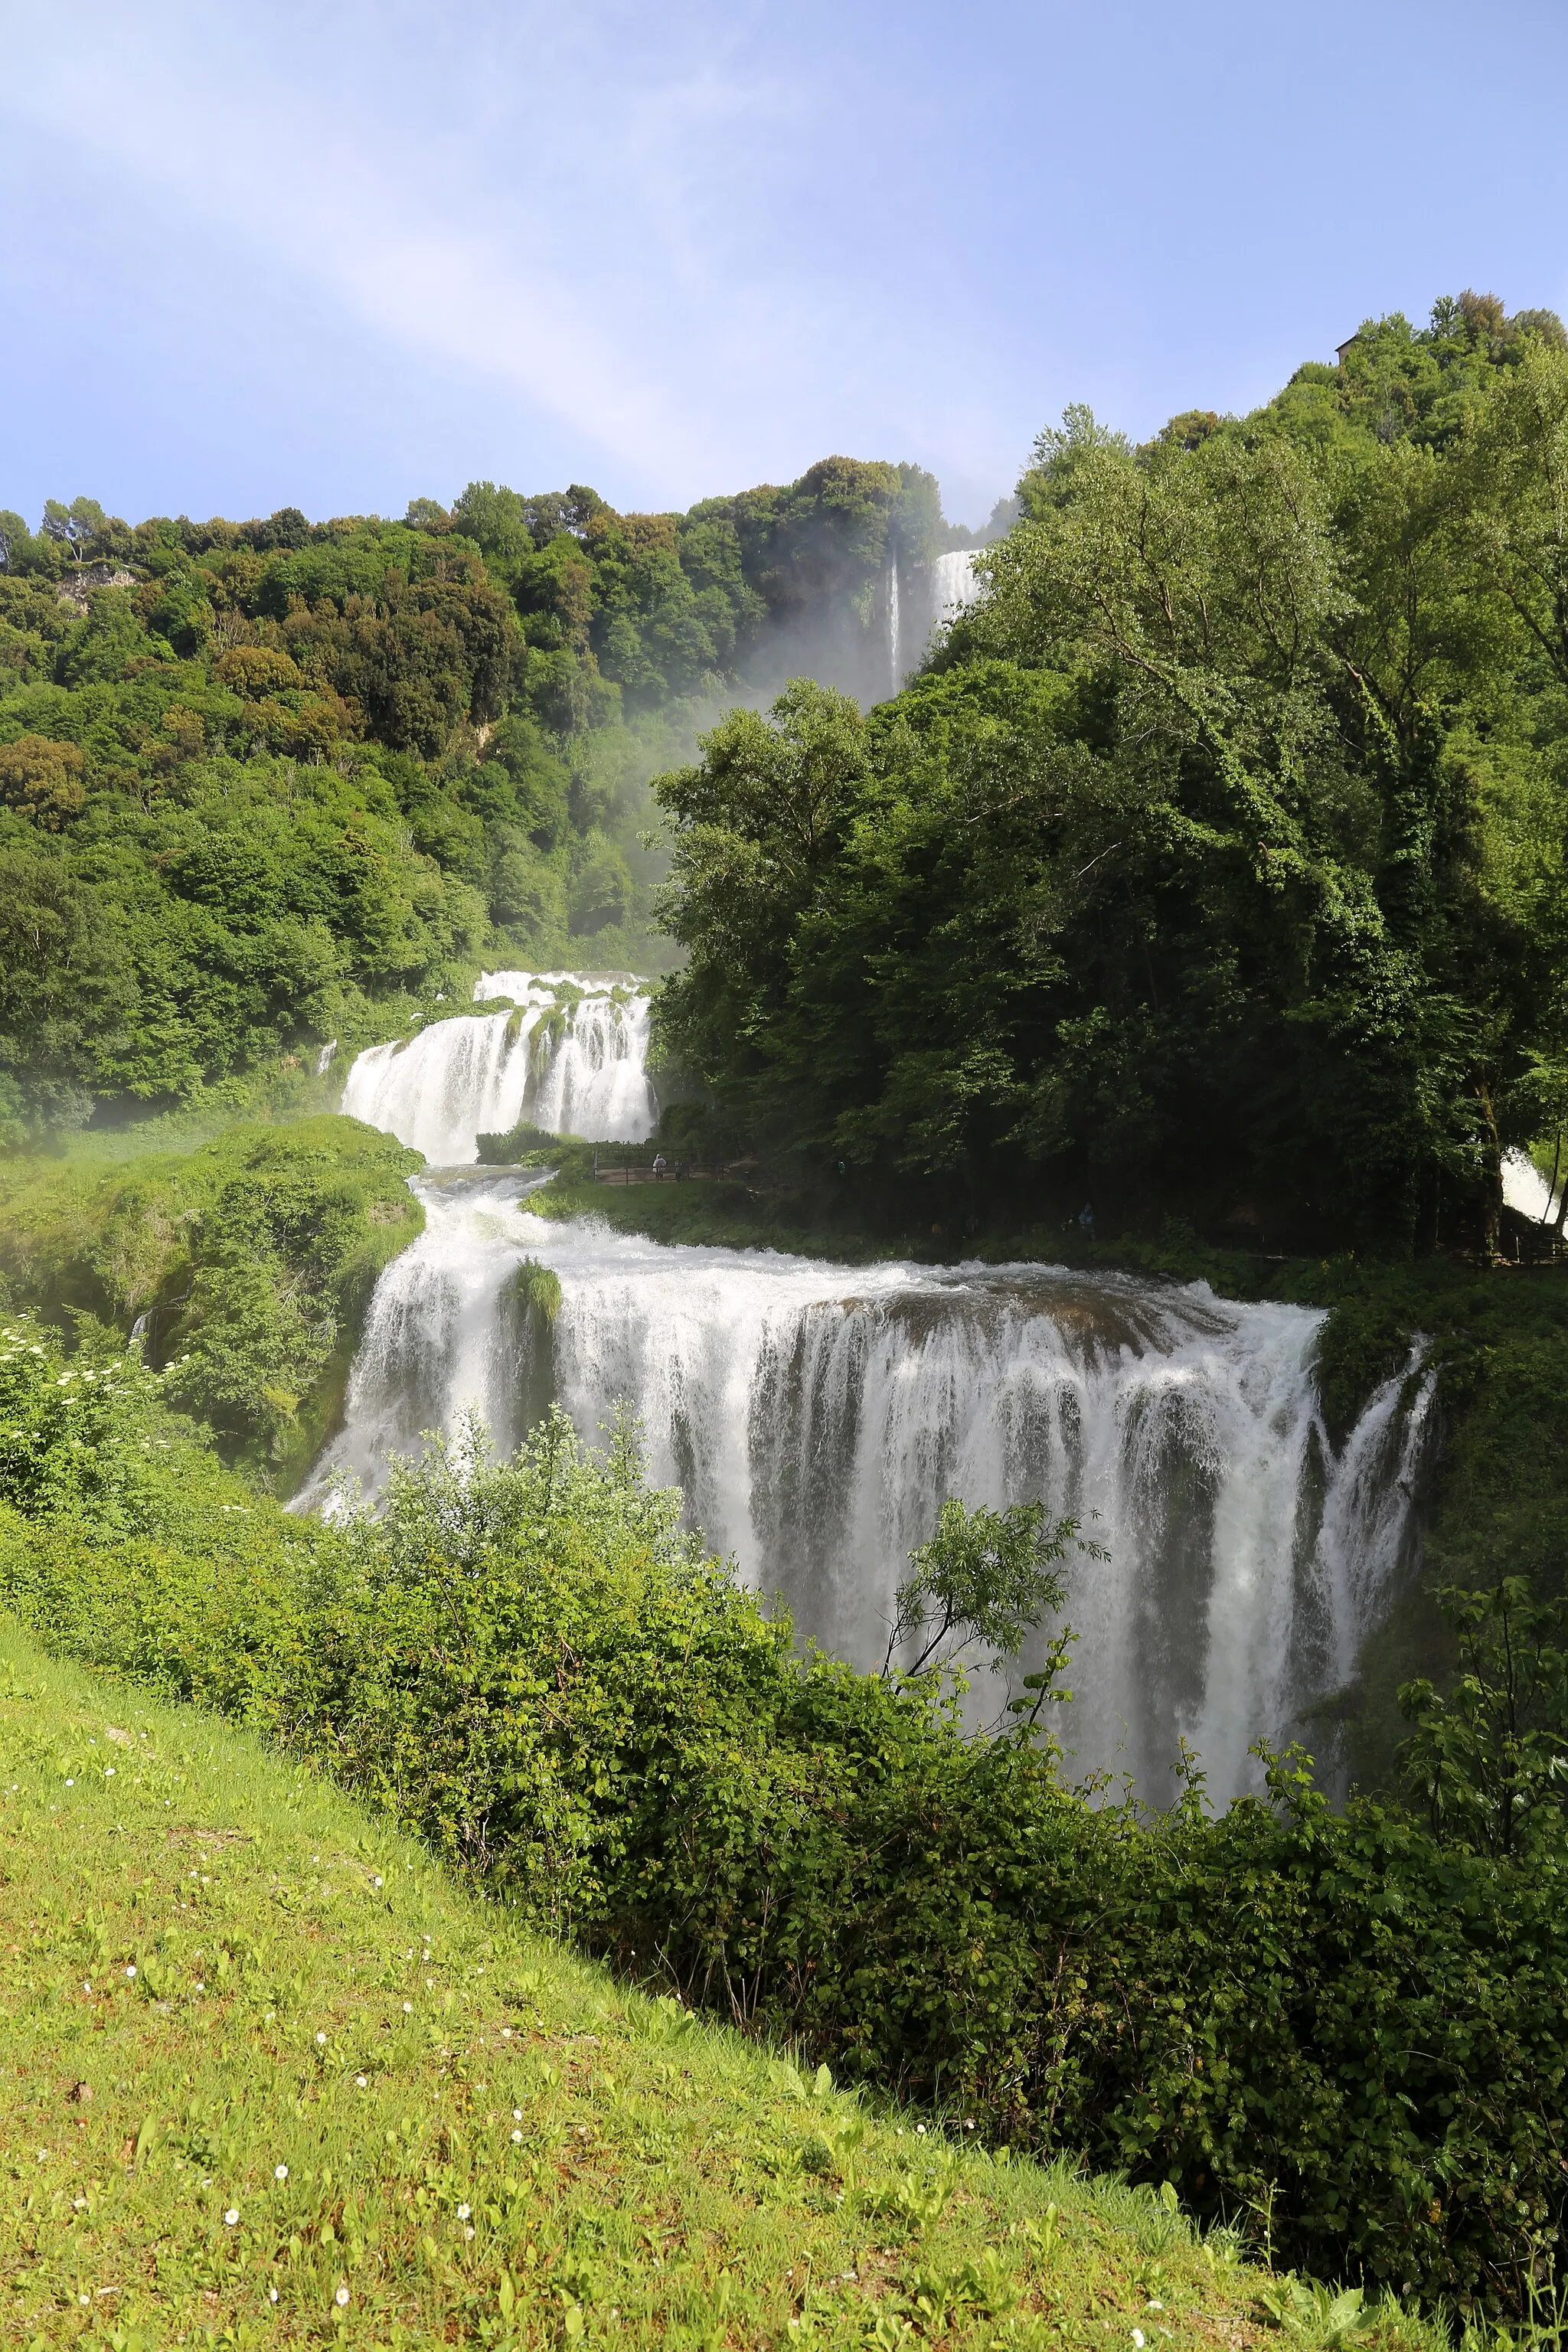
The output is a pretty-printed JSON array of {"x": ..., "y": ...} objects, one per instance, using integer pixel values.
[
  {"x": 42, "y": 779},
  {"x": 760, "y": 822},
  {"x": 1488, "y": 1760},
  {"x": 1212, "y": 867},
  {"x": 984, "y": 1576},
  {"x": 72, "y": 527},
  {"x": 255, "y": 1342}
]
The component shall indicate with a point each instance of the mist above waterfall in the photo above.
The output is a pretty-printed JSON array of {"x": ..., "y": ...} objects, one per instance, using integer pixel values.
[
  {"x": 816, "y": 1415},
  {"x": 867, "y": 648}
]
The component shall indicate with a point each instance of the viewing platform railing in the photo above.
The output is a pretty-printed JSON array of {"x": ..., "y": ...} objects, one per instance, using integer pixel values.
[{"x": 673, "y": 1170}]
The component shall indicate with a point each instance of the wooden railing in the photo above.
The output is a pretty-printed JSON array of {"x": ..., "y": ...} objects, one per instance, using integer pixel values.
[{"x": 673, "y": 1170}]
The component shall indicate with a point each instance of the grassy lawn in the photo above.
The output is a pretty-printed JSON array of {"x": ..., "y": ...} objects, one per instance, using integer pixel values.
[{"x": 269, "y": 2077}]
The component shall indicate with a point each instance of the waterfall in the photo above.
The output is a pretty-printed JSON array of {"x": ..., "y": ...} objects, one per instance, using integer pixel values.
[
  {"x": 568, "y": 1052},
  {"x": 1525, "y": 1189},
  {"x": 948, "y": 587},
  {"x": 953, "y": 583},
  {"x": 895, "y": 664},
  {"x": 815, "y": 1416}
]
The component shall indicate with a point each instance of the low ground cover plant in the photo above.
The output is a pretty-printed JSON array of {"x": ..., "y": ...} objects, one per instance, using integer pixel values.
[
  {"x": 1349, "y": 2022},
  {"x": 269, "y": 2076}
]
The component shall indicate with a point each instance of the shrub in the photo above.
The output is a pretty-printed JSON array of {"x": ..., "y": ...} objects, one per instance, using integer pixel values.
[
  {"x": 1338, "y": 2017},
  {"x": 42, "y": 779},
  {"x": 68, "y": 1430}
]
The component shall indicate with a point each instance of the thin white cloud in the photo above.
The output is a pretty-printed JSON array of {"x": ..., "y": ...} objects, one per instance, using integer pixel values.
[{"x": 598, "y": 268}]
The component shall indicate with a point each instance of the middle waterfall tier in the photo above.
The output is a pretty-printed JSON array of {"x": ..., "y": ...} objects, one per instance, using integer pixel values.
[
  {"x": 816, "y": 1416},
  {"x": 569, "y": 1055}
]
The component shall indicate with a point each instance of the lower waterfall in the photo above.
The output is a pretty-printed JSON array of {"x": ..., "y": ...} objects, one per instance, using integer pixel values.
[{"x": 816, "y": 1415}]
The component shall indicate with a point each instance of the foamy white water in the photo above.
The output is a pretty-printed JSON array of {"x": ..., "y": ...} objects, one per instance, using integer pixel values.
[
  {"x": 895, "y": 653},
  {"x": 816, "y": 1416},
  {"x": 944, "y": 588},
  {"x": 571, "y": 1057},
  {"x": 954, "y": 586},
  {"x": 1525, "y": 1188}
]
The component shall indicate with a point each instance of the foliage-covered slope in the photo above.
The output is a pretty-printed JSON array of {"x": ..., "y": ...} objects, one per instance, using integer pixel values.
[
  {"x": 247, "y": 1263},
  {"x": 266, "y": 2070},
  {"x": 1352, "y": 2021},
  {"x": 1218, "y": 863},
  {"x": 267, "y": 783}
]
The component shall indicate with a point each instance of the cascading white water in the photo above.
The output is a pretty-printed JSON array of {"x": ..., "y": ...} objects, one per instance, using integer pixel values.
[
  {"x": 1525, "y": 1189},
  {"x": 894, "y": 658},
  {"x": 571, "y": 1057},
  {"x": 945, "y": 587},
  {"x": 815, "y": 1416},
  {"x": 953, "y": 585}
]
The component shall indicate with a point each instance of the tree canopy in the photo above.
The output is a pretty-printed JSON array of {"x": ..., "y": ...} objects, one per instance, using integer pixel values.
[
  {"x": 267, "y": 783},
  {"x": 1214, "y": 863}
]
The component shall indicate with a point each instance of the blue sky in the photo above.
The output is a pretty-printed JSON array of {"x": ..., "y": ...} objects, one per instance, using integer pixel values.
[{"x": 343, "y": 253}]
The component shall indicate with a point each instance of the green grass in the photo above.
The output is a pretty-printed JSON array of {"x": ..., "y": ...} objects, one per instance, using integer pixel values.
[{"x": 270, "y": 2078}]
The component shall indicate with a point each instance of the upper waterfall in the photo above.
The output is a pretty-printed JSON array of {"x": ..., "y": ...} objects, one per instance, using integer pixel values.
[
  {"x": 569, "y": 1053},
  {"x": 949, "y": 587},
  {"x": 895, "y": 652},
  {"x": 816, "y": 1416},
  {"x": 953, "y": 584},
  {"x": 1525, "y": 1189}
]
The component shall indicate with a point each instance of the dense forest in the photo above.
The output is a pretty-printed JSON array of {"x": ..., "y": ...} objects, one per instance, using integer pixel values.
[
  {"x": 1214, "y": 866},
  {"x": 264, "y": 784}
]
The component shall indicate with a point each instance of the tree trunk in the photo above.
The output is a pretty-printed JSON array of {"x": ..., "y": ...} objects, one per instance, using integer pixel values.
[{"x": 1492, "y": 1180}]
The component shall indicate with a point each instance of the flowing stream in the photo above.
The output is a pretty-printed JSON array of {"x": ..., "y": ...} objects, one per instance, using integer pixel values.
[{"x": 816, "y": 1415}]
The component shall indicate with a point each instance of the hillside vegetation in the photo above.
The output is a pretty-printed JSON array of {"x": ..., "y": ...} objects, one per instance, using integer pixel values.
[
  {"x": 247, "y": 1263},
  {"x": 264, "y": 784},
  {"x": 1214, "y": 866},
  {"x": 266, "y": 2076},
  {"x": 1353, "y": 2023}
]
